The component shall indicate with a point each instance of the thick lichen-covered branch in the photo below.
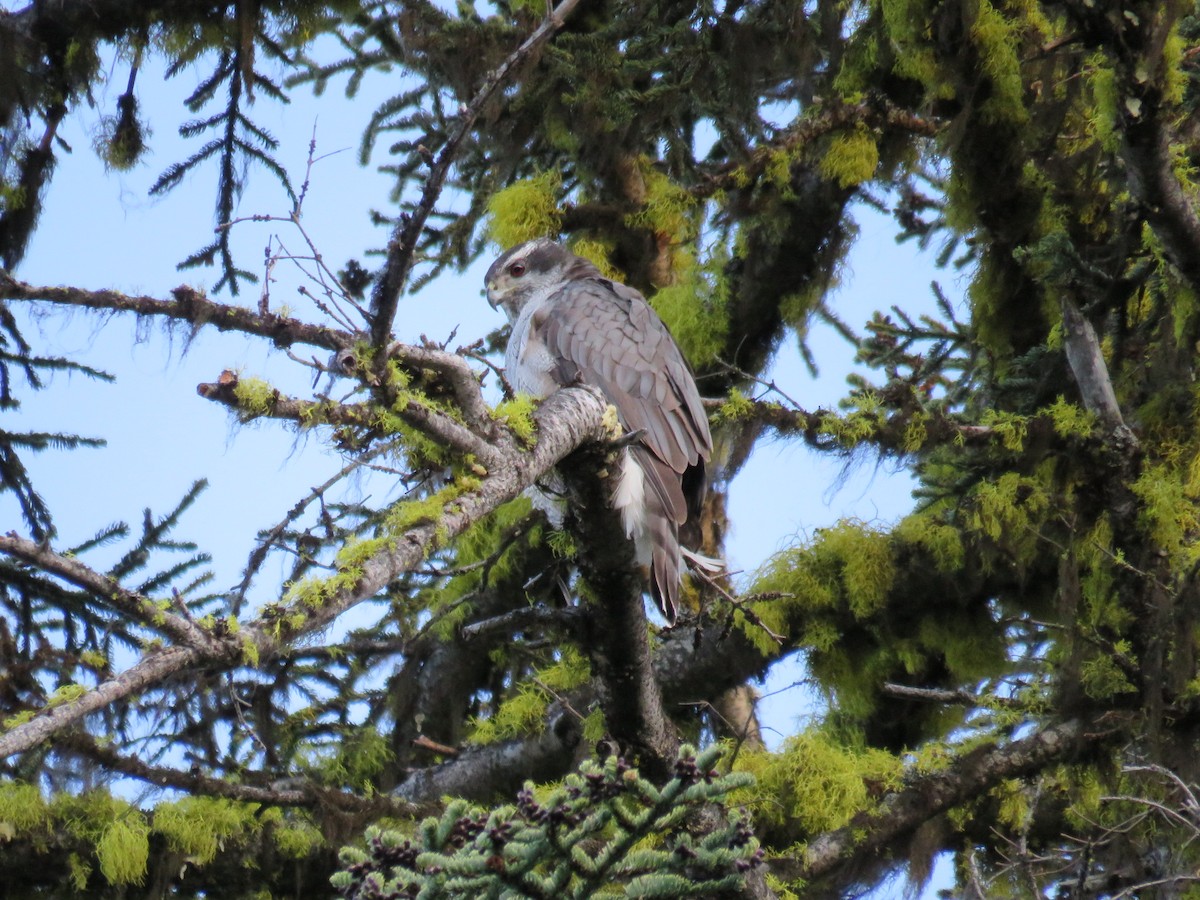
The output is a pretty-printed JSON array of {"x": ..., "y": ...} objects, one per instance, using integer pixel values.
[
  {"x": 567, "y": 420},
  {"x": 457, "y": 373},
  {"x": 926, "y": 796}
]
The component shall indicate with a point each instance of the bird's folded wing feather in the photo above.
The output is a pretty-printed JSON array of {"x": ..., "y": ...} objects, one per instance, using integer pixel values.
[{"x": 608, "y": 336}]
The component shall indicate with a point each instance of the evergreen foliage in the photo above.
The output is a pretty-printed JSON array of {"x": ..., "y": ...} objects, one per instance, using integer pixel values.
[
  {"x": 1010, "y": 673},
  {"x": 632, "y": 831}
]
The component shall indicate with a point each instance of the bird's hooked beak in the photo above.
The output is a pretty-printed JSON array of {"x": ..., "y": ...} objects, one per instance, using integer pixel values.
[{"x": 492, "y": 295}]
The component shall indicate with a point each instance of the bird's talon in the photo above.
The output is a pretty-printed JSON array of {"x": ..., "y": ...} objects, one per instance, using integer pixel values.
[{"x": 629, "y": 437}]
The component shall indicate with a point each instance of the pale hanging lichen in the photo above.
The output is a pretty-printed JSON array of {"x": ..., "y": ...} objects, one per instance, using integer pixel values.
[
  {"x": 525, "y": 210},
  {"x": 851, "y": 158}
]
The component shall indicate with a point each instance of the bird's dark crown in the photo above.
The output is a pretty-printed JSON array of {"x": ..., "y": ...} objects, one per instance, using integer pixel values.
[{"x": 541, "y": 255}]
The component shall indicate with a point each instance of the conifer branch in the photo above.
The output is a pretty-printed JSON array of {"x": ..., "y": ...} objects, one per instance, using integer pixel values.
[
  {"x": 15, "y": 476},
  {"x": 308, "y": 796},
  {"x": 152, "y": 670},
  {"x": 272, "y": 538},
  {"x": 878, "y": 113},
  {"x": 1144, "y": 114},
  {"x": 88, "y": 20},
  {"x": 423, "y": 417},
  {"x": 890, "y": 436},
  {"x": 129, "y": 603},
  {"x": 402, "y": 248},
  {"x": 532, "y": 849}
]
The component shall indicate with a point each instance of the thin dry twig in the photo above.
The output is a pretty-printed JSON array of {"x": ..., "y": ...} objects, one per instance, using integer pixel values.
[
  {"x": 271, "y": 539},
  {"x": 741, "y": 603},
  {"x": 770, "y": 386}
]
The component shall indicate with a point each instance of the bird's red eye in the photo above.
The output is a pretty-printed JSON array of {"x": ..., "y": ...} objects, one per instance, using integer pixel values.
[{"x": 517, "y": 269}]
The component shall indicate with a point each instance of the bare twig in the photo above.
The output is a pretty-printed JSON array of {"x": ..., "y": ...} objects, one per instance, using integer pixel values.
[
  {"x": 475, "y": 352},
  {"x": 187, "y": 305},
  {"x": 428, "y": 744},
  {"x": 932, "y": 695},
  {"x": 740, "y": 603},
  {"x": 563, "y": 701},
  {"x": 770, "y": 386},
  {"x": 1171, "y": 815},
  {"x": 1191, "y": 802}
]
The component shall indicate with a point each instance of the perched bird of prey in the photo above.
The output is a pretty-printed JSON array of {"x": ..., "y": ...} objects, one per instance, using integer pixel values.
[{"x": 571, "y": 325}]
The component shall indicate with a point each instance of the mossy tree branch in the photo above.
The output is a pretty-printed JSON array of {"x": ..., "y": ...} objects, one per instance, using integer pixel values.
[
  {"x": 901, "y": 812},
  {"x": 107, "y": 591},
  {"x": 429, "y": 420},
  {"x": 1137, "y": 41},
  {"x": 297, "y": 793}
]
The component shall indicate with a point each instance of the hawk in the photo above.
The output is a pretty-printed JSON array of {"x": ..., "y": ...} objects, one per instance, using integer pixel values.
[{"x": 572, "y": 325}]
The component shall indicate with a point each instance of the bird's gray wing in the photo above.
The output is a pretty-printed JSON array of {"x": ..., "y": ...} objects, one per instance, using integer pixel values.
[{"x": 606, "y": 334}]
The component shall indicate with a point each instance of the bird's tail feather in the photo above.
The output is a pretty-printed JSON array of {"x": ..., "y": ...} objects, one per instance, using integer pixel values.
[
  {"x": 652, "y": 506},
  {"x": 665, "y": 568}
]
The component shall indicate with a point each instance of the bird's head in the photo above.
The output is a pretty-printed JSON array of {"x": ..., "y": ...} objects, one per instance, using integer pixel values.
[{"x": 530, "y": 272}]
